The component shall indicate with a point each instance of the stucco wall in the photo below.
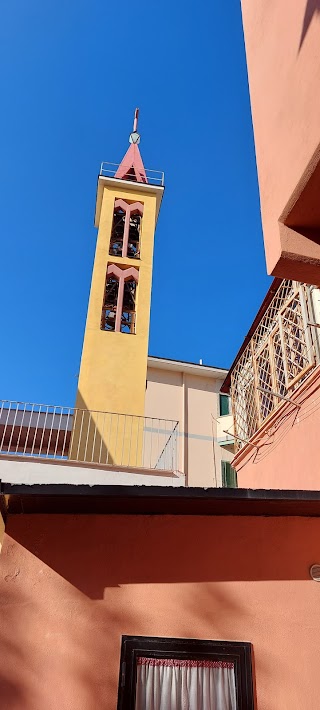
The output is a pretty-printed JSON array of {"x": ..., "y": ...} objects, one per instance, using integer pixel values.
[
  {"x": 287, "y": 453},
  {"x": 193, "y": 400},
  {"x": 1, "y": 531},
  {"x": 72, "y": 585},
  {"x": 282, "y": 47},
  {"x": 113, "y": 365}
]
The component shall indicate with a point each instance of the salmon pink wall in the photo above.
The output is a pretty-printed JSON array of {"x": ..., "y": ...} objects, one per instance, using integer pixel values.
[
  {"x": 287, "y": 453},
  {"x": 282, "y": 47},
  {"x": 70, "y": 586}
]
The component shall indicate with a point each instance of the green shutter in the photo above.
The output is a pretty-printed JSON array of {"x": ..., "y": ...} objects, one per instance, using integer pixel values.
[
  {"x": 224, "y": 404},
  {"x": 229, "y": 475}
]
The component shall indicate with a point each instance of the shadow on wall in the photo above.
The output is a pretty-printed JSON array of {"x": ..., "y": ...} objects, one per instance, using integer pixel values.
[
  {"x": 312, "y": 7},
  {"x": 90, "y": 432},
  {"x": 54, "y": 642},
  {"x": 61, "y": 649},
  {"x": 13, "y": 689},
  {"x": 98, "y": 552}
]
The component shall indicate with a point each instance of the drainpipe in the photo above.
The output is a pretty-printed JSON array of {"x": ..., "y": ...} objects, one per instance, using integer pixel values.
[
  {"x": 184, "y": 425},
  {"x": 214, "y": 453}
]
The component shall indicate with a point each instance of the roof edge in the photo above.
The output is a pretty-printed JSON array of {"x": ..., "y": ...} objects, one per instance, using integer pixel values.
[
  {"x": 164, "y": 363},
  {"x": 157, "y": 500}
]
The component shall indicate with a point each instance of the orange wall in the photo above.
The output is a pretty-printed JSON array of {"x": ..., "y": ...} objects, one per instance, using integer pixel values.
[
  {"x": 287, "y": 454},
  {"x": 71, "y": 585},
  {"x": 282, "y": 47}
]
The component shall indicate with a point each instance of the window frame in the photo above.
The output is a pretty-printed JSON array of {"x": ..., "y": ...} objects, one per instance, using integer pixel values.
[
  {"x": 225, "y": 465},
  {"x": 224, "y": 397},
  {"x": 122, "y": 275},
  {"x": 130, "y": 209},
  {"x": 237, "y": 652}
]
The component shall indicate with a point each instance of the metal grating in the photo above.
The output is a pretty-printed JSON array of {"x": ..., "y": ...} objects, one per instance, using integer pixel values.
[
  {"x": 296, "y": 351},
  {"x": 265, "y": 382},
  {"x": 279, "y": 363},
  {"x": 268, "y": 321},
  {"x": 280, "y": 354}
]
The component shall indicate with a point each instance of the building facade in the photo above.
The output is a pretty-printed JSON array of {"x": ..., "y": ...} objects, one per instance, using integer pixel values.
[
  {"x": 274, "y": 384},
  {"x": 190, "y": 394},
  {"x": 131, "y": 576},
  {"x": 282, "y": 48},
  {"x": 219, "y": 578},
  {"x": 274, "y": 380}
]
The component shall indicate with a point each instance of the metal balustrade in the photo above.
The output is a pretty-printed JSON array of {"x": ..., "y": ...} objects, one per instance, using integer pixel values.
[
  {"x": 106, "y": 438},
  {"x": 154, "y": 177}
]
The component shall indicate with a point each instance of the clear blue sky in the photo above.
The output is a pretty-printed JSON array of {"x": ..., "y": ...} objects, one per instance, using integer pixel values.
[{"x": 72, "y": 73}]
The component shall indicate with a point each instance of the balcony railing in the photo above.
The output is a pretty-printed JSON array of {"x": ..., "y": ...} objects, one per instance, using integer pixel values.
[
  {"x": 282, "y": 351},
  {"x": 154, "y": 177},
  {"x": 106, "y": 438}
]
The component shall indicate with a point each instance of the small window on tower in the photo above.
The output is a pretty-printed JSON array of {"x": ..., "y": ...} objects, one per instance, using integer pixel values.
[
  {"x": 117, "y": 232},
  {"x": 126, "y": 227},
  {"x": 128, "y": 315},
  {"x": 108, "y": 321},
  {"x": 134, "y": 236}
]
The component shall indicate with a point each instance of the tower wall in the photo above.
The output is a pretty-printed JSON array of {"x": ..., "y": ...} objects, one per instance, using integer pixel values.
[{"x": 113, "y": 369}]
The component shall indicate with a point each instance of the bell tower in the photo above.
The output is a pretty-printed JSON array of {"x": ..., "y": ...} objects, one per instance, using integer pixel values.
[{"x": 113, "y": 370}]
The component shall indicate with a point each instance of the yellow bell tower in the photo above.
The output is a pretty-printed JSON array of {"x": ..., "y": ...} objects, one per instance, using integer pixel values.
[{"x": 113, "y": 371}]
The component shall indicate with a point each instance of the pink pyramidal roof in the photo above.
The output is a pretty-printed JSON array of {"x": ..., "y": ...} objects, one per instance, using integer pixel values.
[{"x": 131, "y": 167}]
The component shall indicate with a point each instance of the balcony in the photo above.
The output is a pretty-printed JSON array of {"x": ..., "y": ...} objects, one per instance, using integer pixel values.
[
  {"x": 154, "y": 177},
  {"x": 225, "y": 436},
  {"x": 279, "y": 353},
  {"x": 49, "y": 432}
]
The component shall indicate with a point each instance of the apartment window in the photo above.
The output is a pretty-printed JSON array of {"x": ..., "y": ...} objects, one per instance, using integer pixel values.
[
  {"x": 228, "y": 475},
  {"x": 224, "y": 405},
  {"x": 176, "y": 674}
]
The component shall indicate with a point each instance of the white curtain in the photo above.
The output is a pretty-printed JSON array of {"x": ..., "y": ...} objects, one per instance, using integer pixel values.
[{"x": 170, "y": 684}]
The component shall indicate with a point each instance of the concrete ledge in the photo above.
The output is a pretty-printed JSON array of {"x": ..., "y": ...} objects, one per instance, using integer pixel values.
[{"x": 26, "y": 471}]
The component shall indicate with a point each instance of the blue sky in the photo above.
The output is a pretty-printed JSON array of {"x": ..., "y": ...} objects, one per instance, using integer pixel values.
[{"x": 71, "y": 75}]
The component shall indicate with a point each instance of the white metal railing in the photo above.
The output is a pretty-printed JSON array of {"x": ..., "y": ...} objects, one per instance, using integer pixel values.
[
  {"x": 50, "y": 431},
  {"x": 154, "y": 177}
]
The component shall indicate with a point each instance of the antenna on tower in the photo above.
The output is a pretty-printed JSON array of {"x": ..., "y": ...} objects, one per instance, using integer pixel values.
[
  {"x": 135, "y": 120},
  {"x": 134, "y": 136}
]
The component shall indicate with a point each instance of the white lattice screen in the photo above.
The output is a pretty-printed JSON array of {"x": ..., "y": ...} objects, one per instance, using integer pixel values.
[{"x": 281, "y": 352}]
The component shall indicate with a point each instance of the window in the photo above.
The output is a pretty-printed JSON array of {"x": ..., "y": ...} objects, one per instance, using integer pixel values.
[
  {"x": 128, "y": 307},
  {"x": 228, "y": 475},
  {"x": 125, "y": 232},
  {"x": 134, "y": 236},
  {"x": 110, "y": 303},
  {"x": 119, "y": 303},
  {"x": 224, "y": 404},
  {"x": 184, "y": 673},
  {"x": 116, "y": 241}
]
